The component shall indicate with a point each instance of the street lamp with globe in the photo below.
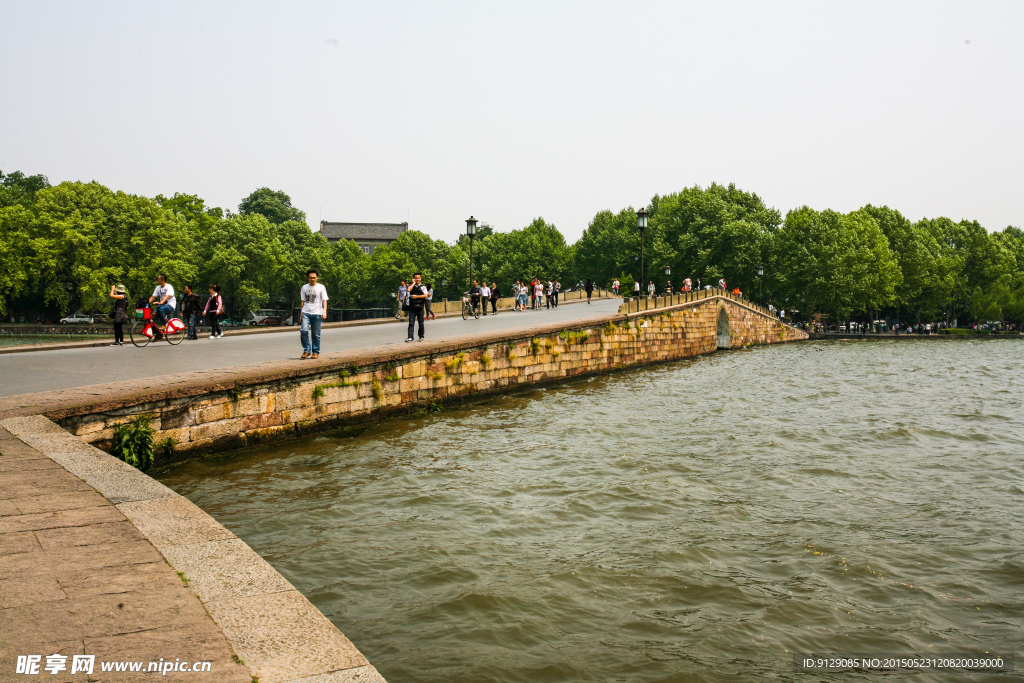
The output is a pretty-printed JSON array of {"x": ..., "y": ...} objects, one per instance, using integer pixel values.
[{"x": 641, "y": 225}]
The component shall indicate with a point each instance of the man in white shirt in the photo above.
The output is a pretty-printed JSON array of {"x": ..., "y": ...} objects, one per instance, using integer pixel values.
[
  {"x": 485, "y": 296},
  {"x": 163, "y": 295},
  {"x": 314, "y": 310}
]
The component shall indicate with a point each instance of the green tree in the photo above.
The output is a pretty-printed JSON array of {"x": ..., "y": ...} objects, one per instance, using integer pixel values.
[
  {"x": 18, "y": 188},
  {"x": 347, "y": 280},
  {"x": 275, "y": 206},
  {"x": 609, "y": 248},
  {"x": 15, "y": 223},
  {"x": 193, "y": 209},
  {"x": 718, "y": 232},
  {"x": 387, "y": 266},
  {"x": 84, "y": 238},
  {"x": 538, "y": 250},
  {"x": 840, "y": 263},
  {"x": 245, "y": 257}
]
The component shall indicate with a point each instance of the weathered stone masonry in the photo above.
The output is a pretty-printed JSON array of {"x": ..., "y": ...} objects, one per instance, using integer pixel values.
[{"x": 364, "y": 387}]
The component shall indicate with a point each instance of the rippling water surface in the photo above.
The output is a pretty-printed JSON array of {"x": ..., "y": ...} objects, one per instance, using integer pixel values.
[{"x": 695, "y": 521}]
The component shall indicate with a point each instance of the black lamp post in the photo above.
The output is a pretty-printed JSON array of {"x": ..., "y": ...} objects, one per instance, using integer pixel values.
[
  {"x": 471, "y": 231},
  {"x": 760, "y": 290},
  {"x": 668, "y": 272},
  {"x": 641, "y": 225}
]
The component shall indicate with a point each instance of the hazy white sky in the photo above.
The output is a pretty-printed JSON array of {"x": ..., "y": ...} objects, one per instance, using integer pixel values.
[{"x": 432, "y": 111}]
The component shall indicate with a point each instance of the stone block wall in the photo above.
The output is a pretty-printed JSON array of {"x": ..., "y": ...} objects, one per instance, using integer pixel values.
[{"x": 366, "y": 388}]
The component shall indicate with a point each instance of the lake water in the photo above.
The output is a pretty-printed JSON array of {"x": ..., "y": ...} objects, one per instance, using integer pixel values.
[{"x": 698, "y": 521}]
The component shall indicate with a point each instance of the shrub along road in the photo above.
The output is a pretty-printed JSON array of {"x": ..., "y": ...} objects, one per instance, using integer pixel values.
[{"x": 47, "y": 370}]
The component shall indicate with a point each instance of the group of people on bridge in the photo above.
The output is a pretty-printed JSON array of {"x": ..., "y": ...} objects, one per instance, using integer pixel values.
[
  {"x": 163, "y": 302},
  {"x": 415, "y": 300}
]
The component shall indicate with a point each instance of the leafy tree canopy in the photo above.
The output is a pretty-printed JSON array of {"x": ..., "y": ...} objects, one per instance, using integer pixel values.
[{"x": 275, "y": 206}]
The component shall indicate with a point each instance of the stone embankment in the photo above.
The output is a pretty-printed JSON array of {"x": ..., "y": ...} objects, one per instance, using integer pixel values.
[
  {"x": 252, "y": 405},
  {"x": 98, "y": 559}
]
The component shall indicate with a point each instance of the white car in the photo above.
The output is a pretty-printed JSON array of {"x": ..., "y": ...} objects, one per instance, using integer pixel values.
[
  {"x": 264, "y": 316},
  {"x": 76, "y": 318}
]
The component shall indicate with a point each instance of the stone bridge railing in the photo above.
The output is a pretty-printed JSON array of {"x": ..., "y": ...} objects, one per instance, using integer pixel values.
[{"x": 637, "y": 305}]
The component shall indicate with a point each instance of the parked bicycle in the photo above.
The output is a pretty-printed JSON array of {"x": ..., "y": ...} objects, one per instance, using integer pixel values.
[
  {"x": 468, "y": 309},
  {"x": 144, "y": 330}
]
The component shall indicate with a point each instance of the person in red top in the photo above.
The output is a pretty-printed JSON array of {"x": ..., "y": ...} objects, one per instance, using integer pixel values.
[{"x": 737, "y": 293}]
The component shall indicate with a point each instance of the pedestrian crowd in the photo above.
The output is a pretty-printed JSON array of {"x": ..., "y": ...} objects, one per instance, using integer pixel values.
[
  {"x": 163, "y": 302},
  {"x": 414, "y": 298}
]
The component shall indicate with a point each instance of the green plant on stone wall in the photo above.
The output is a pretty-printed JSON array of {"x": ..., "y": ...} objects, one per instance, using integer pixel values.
[
  {"x": 432, "y": 407},
  {"x": 486, "y": 360},
  {"x": 575, "y": 336},
  {"x": 133, "y": 443},
  {"x": 393, "y": 377},
  {"x": 535, "y": 345},
  {"x": 166, "y": 446},
  {"x": 235, "y": 391},
  {"x": 318, "y": 390},
  {"x": 453, "y": 363},
  {"x": 378, "y": 391},
  {"x": 436, "y": 376}
]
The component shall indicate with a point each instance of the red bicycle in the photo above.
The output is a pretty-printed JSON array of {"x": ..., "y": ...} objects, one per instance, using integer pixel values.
[{"x": 144, "y": 330}]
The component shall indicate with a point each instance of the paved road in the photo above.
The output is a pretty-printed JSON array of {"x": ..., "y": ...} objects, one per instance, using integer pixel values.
[{"x": 23, "y": 373}]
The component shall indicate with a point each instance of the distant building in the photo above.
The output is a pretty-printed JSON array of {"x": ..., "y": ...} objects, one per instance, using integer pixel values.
[{"x": 368, "y": 236}]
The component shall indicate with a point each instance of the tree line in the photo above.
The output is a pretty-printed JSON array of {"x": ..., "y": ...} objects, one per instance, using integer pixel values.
[
  {"x": 62, "y": 246},
  {"x": 869, "y": 262}
]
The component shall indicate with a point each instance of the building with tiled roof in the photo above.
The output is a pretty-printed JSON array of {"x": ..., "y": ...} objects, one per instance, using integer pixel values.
[{"x": 368, "y": 236}]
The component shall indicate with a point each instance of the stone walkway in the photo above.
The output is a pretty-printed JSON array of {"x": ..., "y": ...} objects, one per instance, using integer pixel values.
[
  {"x": 98, "y": 559},
  {"x": 79, "y": 578}
]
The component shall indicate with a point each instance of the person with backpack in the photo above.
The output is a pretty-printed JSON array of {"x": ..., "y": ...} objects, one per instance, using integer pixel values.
[{"x": 213, "y": 310}]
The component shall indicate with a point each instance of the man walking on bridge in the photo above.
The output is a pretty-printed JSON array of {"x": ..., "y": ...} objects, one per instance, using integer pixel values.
[
  {"x": 314, "y": 310},
  {"x": 417, "y": 302}
]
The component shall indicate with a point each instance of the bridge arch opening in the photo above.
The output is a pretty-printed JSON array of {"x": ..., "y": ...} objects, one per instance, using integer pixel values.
[{"x": 724, "y": 338}]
